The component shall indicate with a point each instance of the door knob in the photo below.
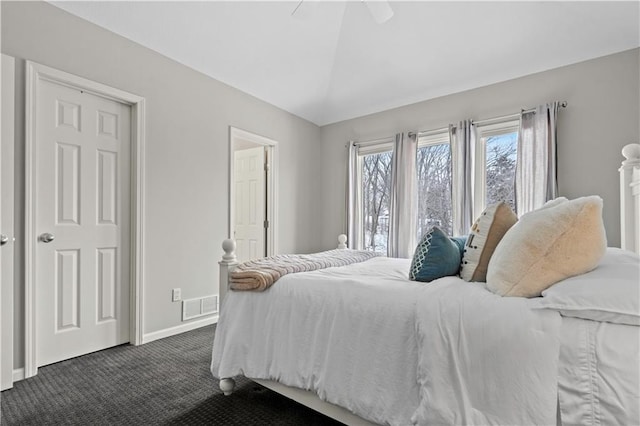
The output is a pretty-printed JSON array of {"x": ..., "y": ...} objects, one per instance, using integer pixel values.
[
  {"x": 46, "y": 237},
  {"x": 3, "y": 239}
]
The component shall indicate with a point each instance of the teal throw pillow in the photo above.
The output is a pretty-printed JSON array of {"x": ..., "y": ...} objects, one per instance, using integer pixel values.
[
  {"x": 460, "y": 242},
  {"x": 436, "y": 256}
]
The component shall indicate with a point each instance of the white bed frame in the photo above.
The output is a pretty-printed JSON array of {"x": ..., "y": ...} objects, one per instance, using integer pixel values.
[
  {"x": 304, "y": 397},
  {"x": 630, "y": 240},
  {"x": 630, "y": 198}
]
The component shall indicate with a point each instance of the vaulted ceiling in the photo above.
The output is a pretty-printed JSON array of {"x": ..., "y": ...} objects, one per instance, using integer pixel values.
[{"x": 332, "y": 61}]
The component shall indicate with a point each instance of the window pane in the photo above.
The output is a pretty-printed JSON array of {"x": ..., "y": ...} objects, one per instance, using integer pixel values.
[
  {"x": 501, "y": 168},
  {"x": 434, "y": 188},
  {"x": 376, "y": 189}
]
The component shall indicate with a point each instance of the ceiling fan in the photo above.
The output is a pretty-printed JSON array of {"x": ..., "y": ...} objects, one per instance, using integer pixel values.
[{"x": 380, "y": 10}]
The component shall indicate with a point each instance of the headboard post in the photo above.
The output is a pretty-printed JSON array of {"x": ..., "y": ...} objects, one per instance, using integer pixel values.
[
  {"x": 227, "y": 264},
  {"x": 630, "y": 198},
  {"x": 342, "y": 241}
]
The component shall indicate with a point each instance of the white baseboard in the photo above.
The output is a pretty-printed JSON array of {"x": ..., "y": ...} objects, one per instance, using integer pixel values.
[
  {"x": 172, "y": 331},
  {"x": 18, "y": 374}
]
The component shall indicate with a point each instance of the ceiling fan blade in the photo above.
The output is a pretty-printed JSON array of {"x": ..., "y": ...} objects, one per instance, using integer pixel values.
[
  {"x": 293, "y": 12},
  {"x": 305, "y": 10},
  {"x": 380, "y": 10}
]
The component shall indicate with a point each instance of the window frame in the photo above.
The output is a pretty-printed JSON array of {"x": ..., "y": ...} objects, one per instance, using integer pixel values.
[
  {"x": 371, "y": 147},
  {"x": 431, "y": 138},
  {"x": 485, "y": 130}
]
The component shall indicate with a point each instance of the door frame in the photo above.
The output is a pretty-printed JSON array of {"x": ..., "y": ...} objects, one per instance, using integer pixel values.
[
  {"x": 7, "y": 223},
  {"x": 272, "y": 180},
  {"x": 34, "y": 73}
]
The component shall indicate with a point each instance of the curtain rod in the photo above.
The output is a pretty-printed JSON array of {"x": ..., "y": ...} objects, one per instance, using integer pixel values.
[
  {"x": 562, "y": 104},
  {"x": 372, "y": 142},
  {"x": 431, "y": 132}
]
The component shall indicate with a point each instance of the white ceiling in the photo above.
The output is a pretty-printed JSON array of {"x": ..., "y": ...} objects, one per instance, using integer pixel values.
[{"x": 331, "y": 61}]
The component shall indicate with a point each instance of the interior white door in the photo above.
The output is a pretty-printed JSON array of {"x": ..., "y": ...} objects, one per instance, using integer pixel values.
[
  {"x": 250, "y": 207},
  {"x": 82, "y": 220}
]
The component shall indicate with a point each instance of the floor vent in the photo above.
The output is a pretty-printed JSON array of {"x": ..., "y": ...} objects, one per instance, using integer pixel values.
[{"x": 194, "y": 308}]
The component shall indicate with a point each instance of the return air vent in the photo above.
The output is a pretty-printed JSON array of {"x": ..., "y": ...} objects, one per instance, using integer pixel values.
[{"x": 194, "y": 308}]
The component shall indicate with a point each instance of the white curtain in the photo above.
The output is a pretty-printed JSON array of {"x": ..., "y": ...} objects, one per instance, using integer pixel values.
[
  {"x": 463, "y": 143},
  {"x": 354, "y": 214},
  {"x": 404, "y": 196},
  {"x": 536, "y": 166}
]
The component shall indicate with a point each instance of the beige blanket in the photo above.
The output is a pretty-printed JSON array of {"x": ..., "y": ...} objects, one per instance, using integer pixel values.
[{"x": 260, "y": 274}]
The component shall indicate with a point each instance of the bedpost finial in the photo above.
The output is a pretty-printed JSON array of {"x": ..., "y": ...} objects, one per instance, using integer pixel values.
[
  {"x": 631, "y": 152},
  {"x": 229, "y": 247},
  {"x": 342, "y": 241}
]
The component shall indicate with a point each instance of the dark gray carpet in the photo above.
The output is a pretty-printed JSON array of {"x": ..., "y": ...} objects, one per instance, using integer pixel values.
[{"x": 163, "y": 382}]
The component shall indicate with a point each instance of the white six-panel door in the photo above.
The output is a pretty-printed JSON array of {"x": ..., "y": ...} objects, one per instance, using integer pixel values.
[
  {"x": 82, "y": 200},
  {"x": 250, "y": 203}
]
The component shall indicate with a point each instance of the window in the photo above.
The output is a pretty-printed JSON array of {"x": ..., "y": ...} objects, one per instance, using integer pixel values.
[
  {"x": 494, "y": 165},
  {"x": 496, "y": 156},
  {"x": 433, "y": 166},
  {"x": 374, "y": 164}
]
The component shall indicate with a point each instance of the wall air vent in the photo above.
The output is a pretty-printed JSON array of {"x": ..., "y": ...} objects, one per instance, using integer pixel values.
[{"x": 199, "y": 307}]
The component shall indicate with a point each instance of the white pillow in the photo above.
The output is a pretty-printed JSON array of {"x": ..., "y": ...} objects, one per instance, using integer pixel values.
[
  {"x": 547, "y": 245},
  {"x": 609, "y": 293}
]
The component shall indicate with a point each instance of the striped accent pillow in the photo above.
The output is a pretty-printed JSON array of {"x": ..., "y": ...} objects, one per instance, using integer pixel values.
[{"x": 486, "y": 233}]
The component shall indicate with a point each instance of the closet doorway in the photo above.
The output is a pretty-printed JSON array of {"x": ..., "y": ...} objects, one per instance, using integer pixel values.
[{"x": 252, "y": 184}]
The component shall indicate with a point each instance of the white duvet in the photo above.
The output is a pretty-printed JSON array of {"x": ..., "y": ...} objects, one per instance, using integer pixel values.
[
  {"x": 599, "y": 375},
  {"x": 346, "y": 333},
  {"x": 395, "y": 351},
  {"x": 484, "y": 359}
]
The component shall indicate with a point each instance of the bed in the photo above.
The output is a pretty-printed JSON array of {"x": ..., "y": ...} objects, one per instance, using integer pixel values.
[{"x": 364, "y": 345}]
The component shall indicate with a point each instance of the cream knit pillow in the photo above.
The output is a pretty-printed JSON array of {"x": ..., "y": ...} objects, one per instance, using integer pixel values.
[{"x": 548, "y": 245}]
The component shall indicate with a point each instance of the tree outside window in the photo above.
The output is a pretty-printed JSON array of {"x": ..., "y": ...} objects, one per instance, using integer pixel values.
[
  {"x": 376, "y": 195},
  {"x": 501, "y": 169},
  {"x": 433, "y": 166}
]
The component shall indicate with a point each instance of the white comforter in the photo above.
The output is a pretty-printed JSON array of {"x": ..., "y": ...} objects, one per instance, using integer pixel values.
[
  {"x": 346, "y": 333},
  {"x": 599, "y": 375},
  {"x": 395, "y": 351},
  {"x": 484, "y": 359}
]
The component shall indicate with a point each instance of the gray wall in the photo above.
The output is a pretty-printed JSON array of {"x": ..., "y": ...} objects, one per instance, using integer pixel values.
[
  {"x": 603, "y": 115},
  {"x": 188, "y": 119}
]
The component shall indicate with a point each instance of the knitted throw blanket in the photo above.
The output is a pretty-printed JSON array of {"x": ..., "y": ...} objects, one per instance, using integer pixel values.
[{"x": 260, "y": 274}]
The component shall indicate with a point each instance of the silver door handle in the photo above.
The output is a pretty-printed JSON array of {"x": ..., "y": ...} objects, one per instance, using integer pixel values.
[
  {"x": 3, "y": 239},
  {"x": 46, "y": 237}
]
